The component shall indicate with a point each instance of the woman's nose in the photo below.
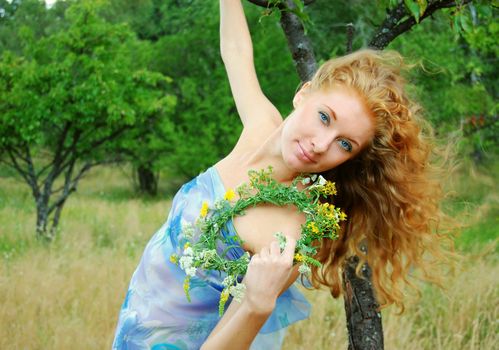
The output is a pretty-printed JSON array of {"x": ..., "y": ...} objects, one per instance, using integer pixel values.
[{"x": 323, "y": 142}]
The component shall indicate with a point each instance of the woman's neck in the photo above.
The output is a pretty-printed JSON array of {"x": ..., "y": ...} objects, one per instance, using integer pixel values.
[{"x": 270, "y": 153}]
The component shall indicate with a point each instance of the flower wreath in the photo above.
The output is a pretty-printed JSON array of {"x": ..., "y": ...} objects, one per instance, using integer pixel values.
[{"x": 200, "y": 249}]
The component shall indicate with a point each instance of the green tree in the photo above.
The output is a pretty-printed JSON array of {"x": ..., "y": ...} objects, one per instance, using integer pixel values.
[
  {"x": 65, "y": 103},
  {"x": 205, "y": 123}
]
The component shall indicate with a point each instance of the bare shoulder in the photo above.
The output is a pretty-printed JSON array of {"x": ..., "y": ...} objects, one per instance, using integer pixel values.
[{"x": 258, "y": 226}]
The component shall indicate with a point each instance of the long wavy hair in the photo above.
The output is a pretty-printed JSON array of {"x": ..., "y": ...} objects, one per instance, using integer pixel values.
[{"x": 390, "y": 191}]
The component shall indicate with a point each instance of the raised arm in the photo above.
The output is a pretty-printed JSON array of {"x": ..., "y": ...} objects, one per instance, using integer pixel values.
[{"x": 237, "y": 54}]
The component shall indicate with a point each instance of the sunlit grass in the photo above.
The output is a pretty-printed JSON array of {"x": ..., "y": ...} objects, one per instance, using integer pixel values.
[{"x": 67, "y": 295}]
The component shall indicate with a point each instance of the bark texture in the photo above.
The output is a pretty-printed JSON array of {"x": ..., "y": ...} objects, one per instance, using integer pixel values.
[
  {"x": 365, "y": 329},
  {"x": 395, "y": 24},
  {"x": 299, "y": 44}
]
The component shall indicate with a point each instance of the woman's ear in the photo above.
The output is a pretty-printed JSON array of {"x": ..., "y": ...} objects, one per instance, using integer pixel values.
[{"x": 300, "y": 95}]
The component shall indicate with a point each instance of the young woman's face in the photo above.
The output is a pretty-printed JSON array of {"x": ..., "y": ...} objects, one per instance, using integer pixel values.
[{"x": 326, "y": 129}]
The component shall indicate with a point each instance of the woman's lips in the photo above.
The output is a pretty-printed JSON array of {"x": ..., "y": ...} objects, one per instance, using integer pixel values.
[{"x": 305, "y": 155}]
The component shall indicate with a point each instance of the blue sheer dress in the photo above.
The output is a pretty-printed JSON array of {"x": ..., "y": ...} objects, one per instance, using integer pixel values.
[{"x": 156, "y": 314}]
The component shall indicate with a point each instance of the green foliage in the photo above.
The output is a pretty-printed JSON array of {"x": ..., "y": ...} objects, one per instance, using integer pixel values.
[
  {"x": 196, "y": 123},
  {"x": 458, "y": 83},
  {"x": 416, "y": 8},
  {"x": 81, "y": 77},
  {"x": 184, "y": 45},
  {"x": 73, "y": 94},
  {"x": 32, "y": 14}
]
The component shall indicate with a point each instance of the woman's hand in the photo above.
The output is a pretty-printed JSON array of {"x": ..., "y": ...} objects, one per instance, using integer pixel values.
[{"x": 268, "y": 274}]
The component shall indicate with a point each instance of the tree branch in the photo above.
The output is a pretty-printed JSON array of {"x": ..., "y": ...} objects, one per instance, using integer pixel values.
[
  {"x": 392, "y": 26},
  {"x": 57, "y": 162},
  {"x": 16, "y": 166},
  {"x": 18, "y": 154},
  {"x": 261, "y": 3},
  {"x": 70, "y": 184},
  {"x": 298, "y": 43},
  {"x": 71, "y": 150},
  {"x": 280, "y": 5},
  {"x": 32, "y": 174}
]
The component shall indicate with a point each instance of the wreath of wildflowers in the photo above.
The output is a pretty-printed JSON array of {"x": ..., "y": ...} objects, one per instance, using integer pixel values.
[{"x": 200, "y": 249}]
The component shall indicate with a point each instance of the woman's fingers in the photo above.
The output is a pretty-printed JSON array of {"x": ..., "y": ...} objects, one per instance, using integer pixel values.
[
  {"x": 274, "y": 248},
  {"x": 264, "y": 252},
  {"x": 289, "y": 250}
]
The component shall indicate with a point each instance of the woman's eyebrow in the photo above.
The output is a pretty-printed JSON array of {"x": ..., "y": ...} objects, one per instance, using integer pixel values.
[{"x": 332, "y": 112}]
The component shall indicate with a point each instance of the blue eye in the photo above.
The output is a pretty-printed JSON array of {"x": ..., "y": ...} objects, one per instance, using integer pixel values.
[
  {"x": 324, "y": 117},
  {"x": 347, "y": 146}
]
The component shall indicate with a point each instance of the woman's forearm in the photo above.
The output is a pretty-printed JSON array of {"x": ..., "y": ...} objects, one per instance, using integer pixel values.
[
  {"x": 269, "y": 273},
  {"x": 240, "y": 331},
  {"x": 234, "y": 33}
]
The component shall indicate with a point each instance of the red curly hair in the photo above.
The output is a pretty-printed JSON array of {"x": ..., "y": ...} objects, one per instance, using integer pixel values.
[{"x": 390, "y": 191}]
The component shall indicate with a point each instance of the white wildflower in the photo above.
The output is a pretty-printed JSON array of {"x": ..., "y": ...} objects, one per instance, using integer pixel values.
[
  {"x": 188, "y": 230},
  {"x": 206, "y": 257},
  {"x": 209, "y": 254},
  {"x": 201, "y": 224},
  {"x": 246, "y": 257},
  {"x": 238, "y": 291},
  {"x": 322, "y": 180},
  {"x": 304, "y": 269},
  {"x": 186, "y": 262},
  {"x": 190, "y": 271},
  {"x": 281, "y": 239},
  {"x": 188, "y": 251},
  {"x": 305, "y": 181},
  {"x": 228, "y": 281},
  {"x": 314, "y": 176}
]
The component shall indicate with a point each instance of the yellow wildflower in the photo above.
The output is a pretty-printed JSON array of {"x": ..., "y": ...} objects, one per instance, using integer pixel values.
[
  {"x": 312, "y": 226},
  {"x": 343, "y": 216},
  {"x": 229, "y": 195},
  {"x": 204, "y": 209},
  {"x": 186, "y": 287},
  {"x": 187, "y": 245},
  {"x": 298, "y": 257},
  {"x": 224, "y": 296},
  {"x": 329, "y": 188},
  {"x": 174, "y": 259}
]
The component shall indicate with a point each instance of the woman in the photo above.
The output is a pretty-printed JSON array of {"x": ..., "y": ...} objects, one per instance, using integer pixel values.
[{"x": 354, "y": 124}]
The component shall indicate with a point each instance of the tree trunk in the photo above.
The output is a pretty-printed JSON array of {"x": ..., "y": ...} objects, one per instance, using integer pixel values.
[
  {"x": 365, "y": 330},
  {"x": 363, "y": 321},
  {"x": 148, "y": 180},
  {"x": 42, "y": 217}
]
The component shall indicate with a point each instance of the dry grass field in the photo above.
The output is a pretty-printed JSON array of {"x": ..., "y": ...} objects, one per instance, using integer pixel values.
[{"x": 67, "y": 295}]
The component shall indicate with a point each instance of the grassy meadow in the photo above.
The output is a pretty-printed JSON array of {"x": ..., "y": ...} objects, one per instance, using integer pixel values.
[{"x": 67, "y": 295}]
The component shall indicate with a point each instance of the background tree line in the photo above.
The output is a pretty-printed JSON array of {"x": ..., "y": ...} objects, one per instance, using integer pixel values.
[{"x": 84, "y": 83}]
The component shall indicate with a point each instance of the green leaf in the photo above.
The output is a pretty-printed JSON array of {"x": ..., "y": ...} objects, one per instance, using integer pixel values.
[
  {"x": 423, "y": 4},
  {"x": 465, "y": 22},
  {"x": 299, "y": 4},
  {"x": 413, "y": 8},
  {"x": 393, "y": 3}
]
